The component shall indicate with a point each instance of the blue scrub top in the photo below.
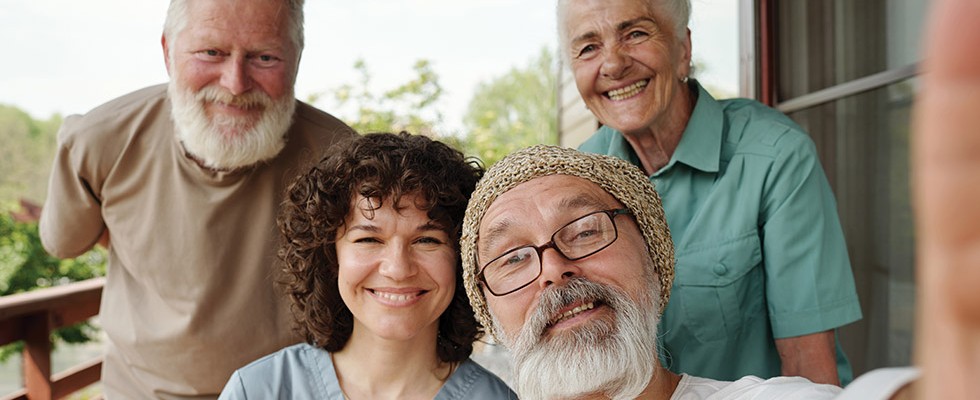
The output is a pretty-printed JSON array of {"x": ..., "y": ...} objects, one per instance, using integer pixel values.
[{"x": 305, "y": 372}]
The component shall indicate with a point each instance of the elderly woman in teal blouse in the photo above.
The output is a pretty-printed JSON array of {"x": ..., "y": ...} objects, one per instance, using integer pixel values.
[
  {"x": 371, "y": 254},
  {"x": 763, "y": 278}
]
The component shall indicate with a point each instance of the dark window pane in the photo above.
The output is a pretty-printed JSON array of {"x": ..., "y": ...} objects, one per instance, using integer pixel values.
[
  {"x": 863, "y": 142},
  {"x": 823, "y": 43}
]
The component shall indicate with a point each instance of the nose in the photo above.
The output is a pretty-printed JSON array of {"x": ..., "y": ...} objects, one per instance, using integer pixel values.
[
  {"x": 555, "y": 268},
  {"x": 615, "y": 62},
  {"x": 397, "y": 264},
  {"x": 234, "y": 76}
]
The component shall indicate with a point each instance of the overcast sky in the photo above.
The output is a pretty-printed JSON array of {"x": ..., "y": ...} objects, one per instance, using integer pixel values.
[{"x": 68, "y": 56}]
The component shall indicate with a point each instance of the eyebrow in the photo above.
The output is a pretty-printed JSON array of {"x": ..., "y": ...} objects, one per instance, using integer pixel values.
[
  {"x": 364, "y": 227},
  {"x": 497, "y": 232},
  {"x": 587, "y": 36},
  {"x": 428, "y": 226},
  {"x": 580, "y": 201},
  {"x": 622, "y": 26}
]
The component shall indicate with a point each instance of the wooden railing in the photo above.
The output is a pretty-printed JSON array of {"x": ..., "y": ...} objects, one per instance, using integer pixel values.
[{"x": 31, "y": 317}]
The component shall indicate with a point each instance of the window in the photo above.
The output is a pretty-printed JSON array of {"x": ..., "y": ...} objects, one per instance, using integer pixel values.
[{"x": 845, "y": 70}]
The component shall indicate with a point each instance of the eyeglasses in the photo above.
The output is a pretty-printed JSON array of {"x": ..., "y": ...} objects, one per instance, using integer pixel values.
[{"x": 583, "y": 237}]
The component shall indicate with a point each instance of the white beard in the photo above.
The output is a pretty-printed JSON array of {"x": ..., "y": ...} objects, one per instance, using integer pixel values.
[
  {"x": 224, "y": 142},
  {"x": 615, "y": 358}
]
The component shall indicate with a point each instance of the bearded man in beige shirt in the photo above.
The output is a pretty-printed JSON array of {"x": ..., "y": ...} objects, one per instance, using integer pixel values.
[{"x": 186, "y": 179}]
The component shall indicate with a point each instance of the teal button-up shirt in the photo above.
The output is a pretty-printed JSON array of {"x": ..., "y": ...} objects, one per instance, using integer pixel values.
[{"x": 760, "y": 250}]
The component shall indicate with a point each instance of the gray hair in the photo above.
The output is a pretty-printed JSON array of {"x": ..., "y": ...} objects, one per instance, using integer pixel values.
[
  {"x": 678, "y": 11},
  {"x": 177, "y": 21}
]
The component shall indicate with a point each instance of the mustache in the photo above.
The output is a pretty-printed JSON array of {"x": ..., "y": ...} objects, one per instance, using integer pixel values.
[
  {"x": 577, "y": 290},
  {"x": 251, "y": 99}
]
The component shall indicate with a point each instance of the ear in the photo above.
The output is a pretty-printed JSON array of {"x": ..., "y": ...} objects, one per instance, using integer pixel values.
[
  {"x": 684, "y": 61},
  {"x": 166, "y": 53}
]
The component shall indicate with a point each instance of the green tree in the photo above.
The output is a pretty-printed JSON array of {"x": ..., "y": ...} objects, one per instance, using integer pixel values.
[
  {"x": 25, "y": 265},
  {"x": 514, "y": 110},
  {"x": 25, "y": 159},
  {"x": 26, "y": 154},
  {"x": 407, "y": 107}
]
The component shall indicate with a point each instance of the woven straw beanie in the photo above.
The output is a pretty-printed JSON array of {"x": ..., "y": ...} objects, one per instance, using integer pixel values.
[{"x": 621, "y": 179}]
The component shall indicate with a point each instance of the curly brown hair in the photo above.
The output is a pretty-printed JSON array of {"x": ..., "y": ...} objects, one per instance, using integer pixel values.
[{"x": 382, "y": 166}]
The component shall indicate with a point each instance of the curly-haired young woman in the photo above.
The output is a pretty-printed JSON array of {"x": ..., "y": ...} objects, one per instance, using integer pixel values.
[{"x": 372, "y": 266}]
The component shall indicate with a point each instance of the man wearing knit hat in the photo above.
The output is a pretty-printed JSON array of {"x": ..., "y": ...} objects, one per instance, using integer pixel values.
[{"x": 581, "y": 320}]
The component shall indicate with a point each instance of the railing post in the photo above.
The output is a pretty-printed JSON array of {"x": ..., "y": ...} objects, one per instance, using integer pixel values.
[
  {"x": 31, "y": 317},
  {"x": 37, "y": 356}
]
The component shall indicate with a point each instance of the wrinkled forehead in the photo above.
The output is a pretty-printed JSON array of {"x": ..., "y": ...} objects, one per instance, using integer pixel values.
[
  {"x": 406, "y": 205},
  {"x": 235, "y": 17},
  {"x": 574, "y": 13},
  {"x": 552, "y": 198}
]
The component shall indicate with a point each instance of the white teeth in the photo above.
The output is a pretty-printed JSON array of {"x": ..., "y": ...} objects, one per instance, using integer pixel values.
[
  {"x": 570, "y": 313},
  {"x": 395, "y": 296},
  {"x": 629, "y": 91}
]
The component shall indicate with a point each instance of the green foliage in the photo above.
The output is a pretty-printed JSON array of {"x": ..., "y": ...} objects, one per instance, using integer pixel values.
[
  {"x": 407, "y": 107},
  {"x": 25, "y": 265},
  {"x": 515, "y": 110},
  {"x": 26, "y": 154}
]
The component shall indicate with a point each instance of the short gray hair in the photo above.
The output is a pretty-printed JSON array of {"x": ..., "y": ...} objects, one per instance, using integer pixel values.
[
  {"x": 678, "y": 11},
  {"x": 177, "y": 21}
]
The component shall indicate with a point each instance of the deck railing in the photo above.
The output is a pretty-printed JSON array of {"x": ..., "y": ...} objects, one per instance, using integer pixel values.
[{"x": 31, "y": 317}]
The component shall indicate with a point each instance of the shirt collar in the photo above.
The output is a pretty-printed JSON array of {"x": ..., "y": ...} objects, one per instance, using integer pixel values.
[{"x": 700, "y": 145}]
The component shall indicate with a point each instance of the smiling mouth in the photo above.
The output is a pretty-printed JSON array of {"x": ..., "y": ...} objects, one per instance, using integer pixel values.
[
  {"x": 396, "y": 297},
  {"x": 571, "y": 313},
  {"x": 627, "y": 92},
  {"x": 237, "y": 105}
]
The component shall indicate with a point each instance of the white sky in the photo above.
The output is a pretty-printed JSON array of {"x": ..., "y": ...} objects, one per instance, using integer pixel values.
[{"x": 68, "y": 56}]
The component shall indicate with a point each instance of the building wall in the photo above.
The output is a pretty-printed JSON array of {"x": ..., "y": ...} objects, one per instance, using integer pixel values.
[{"x": 575, "y": 122}]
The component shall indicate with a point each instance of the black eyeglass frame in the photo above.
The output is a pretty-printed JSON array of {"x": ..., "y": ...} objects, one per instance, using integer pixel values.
[{"x": 611, "y": 213}]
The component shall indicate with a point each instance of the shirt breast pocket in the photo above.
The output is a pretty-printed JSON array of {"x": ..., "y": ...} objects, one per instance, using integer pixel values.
[{"x": 719, "y": 286}]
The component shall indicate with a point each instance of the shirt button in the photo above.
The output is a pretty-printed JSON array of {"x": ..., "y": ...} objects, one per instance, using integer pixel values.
[{"x": 720, "y": 269}]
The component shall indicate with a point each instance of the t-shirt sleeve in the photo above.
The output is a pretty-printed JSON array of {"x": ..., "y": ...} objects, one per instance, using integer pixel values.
[
  {"x": 234, "y": 389},
  {"x": 809, "y": 282},
  {"x": 71, "y": 220}
]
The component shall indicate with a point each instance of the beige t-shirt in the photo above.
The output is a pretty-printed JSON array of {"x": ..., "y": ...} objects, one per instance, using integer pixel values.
[{"x": 190, "y": 293}]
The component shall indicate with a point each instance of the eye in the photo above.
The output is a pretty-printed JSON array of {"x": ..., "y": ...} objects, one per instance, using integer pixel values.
[
  {"x": 428, "y": 240},
  {"x": 639, "y": 35},
  {"x": 209, "y": 54},
  {"x": 580, "y": 236},
  {"x": 265, "y": 60},
  {"x": 584, "y": 231},
  {"x": 636, "y": 34},
  {"x": 515, "y": 258},
  {"x": 587, "y": 50},
  {"x": 367, "y": 240}
]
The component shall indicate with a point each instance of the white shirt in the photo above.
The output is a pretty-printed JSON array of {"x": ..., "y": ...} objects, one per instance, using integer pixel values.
[
  {"x": 752, "y": 388},
  {"x": 881, "y": 383}
]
